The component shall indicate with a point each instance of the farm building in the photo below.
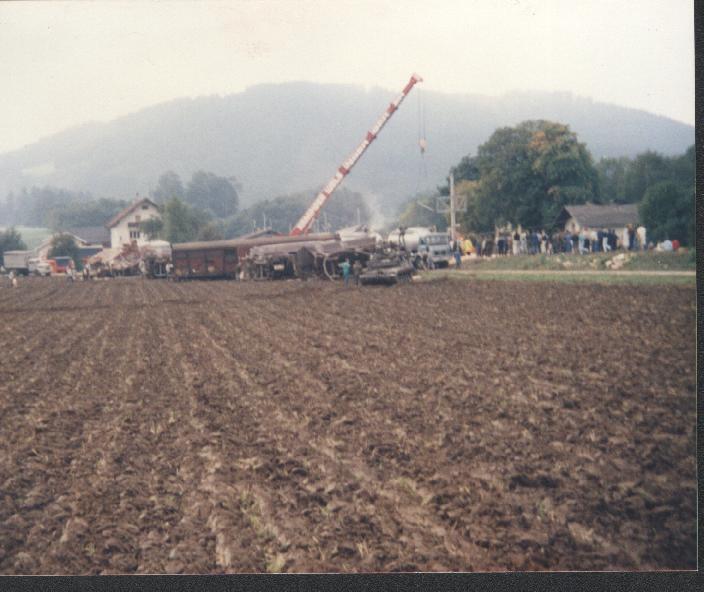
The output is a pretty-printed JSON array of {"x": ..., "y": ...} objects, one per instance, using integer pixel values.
[
  {"x": 91, "y": 235},
  {"x": 125, "y": 228},
  {"x": 595, "y": 217},
  {"x": 86, "y": 246}
]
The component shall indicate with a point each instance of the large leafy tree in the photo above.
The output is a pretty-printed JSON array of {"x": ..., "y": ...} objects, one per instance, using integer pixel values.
[
  {"x": 213, "y": 194},
  {"x": 182, "y": 223},
  {"x": 64, "y": 245},
  {"x": 422, "y": 212},
  {"x": 526, "y": 174},
  {"x": 645, "y": 170},
  {"x": 169, "y": 185},
  {"x": 153, "y": 228},
  {"x": 612, "y": 179},
  {"x": 11, "y": 240},
  {"x": 667, "y": 211}
]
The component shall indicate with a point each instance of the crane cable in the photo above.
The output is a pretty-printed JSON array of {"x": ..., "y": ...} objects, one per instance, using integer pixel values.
[{"x": 422, "y": 142}]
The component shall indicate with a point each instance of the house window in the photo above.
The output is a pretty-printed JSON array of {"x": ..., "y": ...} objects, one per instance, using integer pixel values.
[
  {"x": 145, "y": 206},
  {"x": 134, "y": 234}
]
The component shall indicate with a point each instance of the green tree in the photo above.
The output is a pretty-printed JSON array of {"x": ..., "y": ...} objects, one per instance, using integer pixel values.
[
  {"x": 11, "y": 240},
  {"x": 281, "y": 213},
  {"x": 612, "y": 178},
  {"x": 684, "y": 168},
  {"x": 169, "y": 185},
  {"x": 213, "y": 194},
  {"x": 210, "y": 231},
  {"x": 667, "y": 211},
  {"x": 181, "y": 221},
  {"x": 153, "y": 228},
  {"x": 527, "y": 173},
  {"x": 85, "y": 213},
  {"x": 645, "y": 170},
  {"x": 64, "y": 245},
  {"x": 422, "y": 212}
]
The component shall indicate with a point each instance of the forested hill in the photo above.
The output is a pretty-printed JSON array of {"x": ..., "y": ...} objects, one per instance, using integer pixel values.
[{"x": 283, "y": 138}]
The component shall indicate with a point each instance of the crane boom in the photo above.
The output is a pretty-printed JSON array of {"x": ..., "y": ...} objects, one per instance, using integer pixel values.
[{"x": 303, "y": 225}]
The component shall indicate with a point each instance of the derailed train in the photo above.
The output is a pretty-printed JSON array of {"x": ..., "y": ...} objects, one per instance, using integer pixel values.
[{"x": 270, "y": 257}]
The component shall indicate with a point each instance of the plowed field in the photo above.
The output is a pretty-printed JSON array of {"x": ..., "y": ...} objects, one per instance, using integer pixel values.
[{"x": 158, "y": 427}]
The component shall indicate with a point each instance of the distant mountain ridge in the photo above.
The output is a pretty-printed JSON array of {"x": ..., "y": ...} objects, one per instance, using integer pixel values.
[{"x": 284, "y": 138}]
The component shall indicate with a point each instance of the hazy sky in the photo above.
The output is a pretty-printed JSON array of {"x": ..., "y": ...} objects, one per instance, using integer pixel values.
[{"x": 63, "y": 64}]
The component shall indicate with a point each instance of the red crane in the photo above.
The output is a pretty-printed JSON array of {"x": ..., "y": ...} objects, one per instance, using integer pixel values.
[{"x": 306, "y": 221}]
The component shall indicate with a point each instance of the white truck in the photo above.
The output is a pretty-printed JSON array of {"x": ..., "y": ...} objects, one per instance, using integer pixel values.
[
  {"x": 418, "y": 240},
  {"x": 38, "y": 267},
  {"x": 17, "y": 261}
]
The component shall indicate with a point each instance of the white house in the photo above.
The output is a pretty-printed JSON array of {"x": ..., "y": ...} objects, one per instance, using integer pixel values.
[{"x": 125, "y": 227}]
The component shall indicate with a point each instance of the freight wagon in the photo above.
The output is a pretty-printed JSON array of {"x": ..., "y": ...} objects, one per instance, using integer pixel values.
[{"x": 224, "y": 258}]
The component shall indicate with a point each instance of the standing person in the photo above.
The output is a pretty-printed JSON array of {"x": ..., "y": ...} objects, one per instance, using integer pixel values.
[
  {"x": 599, "y": 240},
  {"x": 640, "y": 233},
  {"x": 613, "y": 239},
  {"x": 516, "y": 243},
  {"x": 357, "y": 271},
  {"x": 631, "y": 238},
  {"x": 458, "y": 258},
  {"x": 567, "y": 242},
  {"x": 13, "y": 279},
  {"x": 594, "y": 241},
  {"x": 345, "y": 267},
  {"x": 580, "y": 241}
]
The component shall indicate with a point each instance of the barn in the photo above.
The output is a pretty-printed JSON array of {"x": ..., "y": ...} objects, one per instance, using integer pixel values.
[{"x": 598, "y": 217}]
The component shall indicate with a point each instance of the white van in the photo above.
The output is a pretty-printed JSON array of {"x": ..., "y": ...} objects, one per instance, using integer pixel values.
[{"x": 39, "y": 267}]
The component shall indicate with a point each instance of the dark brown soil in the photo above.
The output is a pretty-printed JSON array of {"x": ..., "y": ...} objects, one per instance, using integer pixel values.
[{"x": 154, "y": 427}]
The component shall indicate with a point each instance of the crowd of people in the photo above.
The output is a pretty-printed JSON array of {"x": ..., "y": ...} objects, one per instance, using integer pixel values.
[{"x": 538, "y": 242}]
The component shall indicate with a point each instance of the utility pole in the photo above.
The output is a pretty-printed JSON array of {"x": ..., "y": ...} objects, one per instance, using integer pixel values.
[{"x": 453, "y": 227}]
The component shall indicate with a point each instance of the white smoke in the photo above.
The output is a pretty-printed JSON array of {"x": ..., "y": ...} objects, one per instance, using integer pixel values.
[{"x": 378, "y": 220}]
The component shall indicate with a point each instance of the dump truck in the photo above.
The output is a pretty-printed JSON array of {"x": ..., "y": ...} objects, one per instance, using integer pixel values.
[{"x": 17, "y": 261}]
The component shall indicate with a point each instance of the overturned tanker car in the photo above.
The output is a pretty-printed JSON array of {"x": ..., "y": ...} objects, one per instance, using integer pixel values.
[{"x": 305, "y": 259}]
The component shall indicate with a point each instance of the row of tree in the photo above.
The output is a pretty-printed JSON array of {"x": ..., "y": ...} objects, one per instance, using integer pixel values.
[
  {"x": 527, "y": 173},
  {"x": 50, "y": 207},
  {"x": 59, "y": 209},
  {"x": 182, "y": 222},
  {"x": 625, "y": 180}
]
